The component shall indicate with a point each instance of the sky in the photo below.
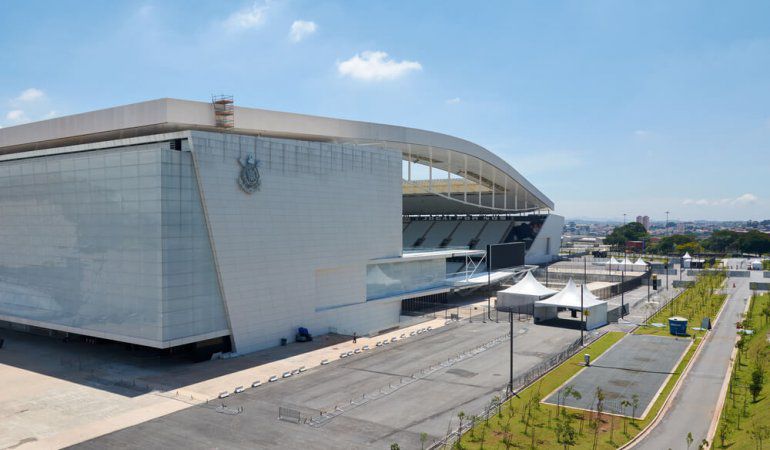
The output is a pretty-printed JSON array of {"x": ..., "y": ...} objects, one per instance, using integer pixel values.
[{"x": 607, "y": 106}]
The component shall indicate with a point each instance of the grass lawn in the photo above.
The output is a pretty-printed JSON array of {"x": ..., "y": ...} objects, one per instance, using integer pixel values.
[
  {"x": 524, "y": 422},
  {"x": 695, "y": 303},
  {"x": 744, "y": 421}
]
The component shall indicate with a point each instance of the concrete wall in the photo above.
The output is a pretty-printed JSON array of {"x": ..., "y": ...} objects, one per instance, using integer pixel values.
[
  {"x": 295, "y": 253},
  {"x": 538, "y": 252}
]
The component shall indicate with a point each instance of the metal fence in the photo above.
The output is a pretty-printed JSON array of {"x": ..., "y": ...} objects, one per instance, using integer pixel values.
[
  {"x": 623, "y": 284},
  {"x": 289, "y": 415},
  {"x": 471, "y": 313},
  {"x": 519, "y": 383}
]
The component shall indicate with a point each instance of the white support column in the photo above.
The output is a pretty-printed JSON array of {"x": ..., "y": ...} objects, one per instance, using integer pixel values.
[
  {"x": 505, "y": 193},
  {"x": 516, "y": 198},
  {"x": 493, "y": 189},
  {"x": 409, "y": 165},
  {"x": 430, "y": 169},
  {"x": 465, "y": 180},
  {"x": 449, "y": 173},
  {"x": 480, "y": 163}
]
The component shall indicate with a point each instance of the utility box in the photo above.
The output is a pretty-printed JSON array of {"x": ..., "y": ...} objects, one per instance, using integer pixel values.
[{"x": 677, "y": 326}]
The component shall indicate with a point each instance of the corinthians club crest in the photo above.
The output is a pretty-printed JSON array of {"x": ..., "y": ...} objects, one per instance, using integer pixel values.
[{"x": 249, "y": 179}]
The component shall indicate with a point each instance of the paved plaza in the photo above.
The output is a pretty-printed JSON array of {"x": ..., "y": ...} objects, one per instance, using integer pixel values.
[
  {"x": 428, "y": 405},
  {"x": 636, "y": 365}
]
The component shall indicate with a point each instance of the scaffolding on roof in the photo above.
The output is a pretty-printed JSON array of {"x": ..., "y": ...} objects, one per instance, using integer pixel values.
[{"x": 224, "y": 110}]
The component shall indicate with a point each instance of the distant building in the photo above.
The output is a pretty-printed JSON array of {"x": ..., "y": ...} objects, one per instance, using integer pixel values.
[{"x": 644, "y": 220}]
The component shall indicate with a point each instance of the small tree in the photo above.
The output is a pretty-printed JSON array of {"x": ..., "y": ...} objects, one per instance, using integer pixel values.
[
  {"x": 757, "y": 382},
  {"x": 723, "y": 433},
  {"x": 394, "y": 446},
  {"x": 634, "y": 405},
  {"x": 423, "y": 440},
  {"x": 565, "y": 431},
  {"x": 625, "y": 404},
  {"x": 473, "y": 420},
  {"x": 689, "y": 440}
]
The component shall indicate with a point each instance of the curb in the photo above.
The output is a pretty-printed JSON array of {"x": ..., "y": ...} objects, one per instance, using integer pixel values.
[
  {"x": 667, "y": 403},
  {"x": 725, "y": 384}
]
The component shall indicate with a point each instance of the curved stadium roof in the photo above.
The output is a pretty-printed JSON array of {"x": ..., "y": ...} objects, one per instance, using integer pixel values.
[{"x": 482, "y": 182}]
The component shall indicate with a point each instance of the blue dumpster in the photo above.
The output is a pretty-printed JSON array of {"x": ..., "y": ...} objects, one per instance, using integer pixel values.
[{"x": 677, "y": 326}]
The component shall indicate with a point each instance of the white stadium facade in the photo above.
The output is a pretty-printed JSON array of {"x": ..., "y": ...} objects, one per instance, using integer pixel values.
[{"x": 173, "y": 223}]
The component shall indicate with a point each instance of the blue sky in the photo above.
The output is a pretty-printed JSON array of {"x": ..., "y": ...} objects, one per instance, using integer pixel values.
[{"x": 609, "y": 107}]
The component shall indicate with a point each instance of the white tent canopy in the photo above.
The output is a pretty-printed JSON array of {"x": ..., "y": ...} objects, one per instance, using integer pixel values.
[
  {"x": 613, "y": 261},
  {"x": 626, "y": 262},
  {"x": 521, "y": 296},
  {"x": 570, "y": 298},
  {"x": 529, "y": 286},
  {"x": 686, "y": 260},
  {"x": 640, "y": 262}
]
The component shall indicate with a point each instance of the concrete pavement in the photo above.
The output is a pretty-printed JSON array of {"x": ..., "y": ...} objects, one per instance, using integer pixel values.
[{"x": 694, "y": 406}]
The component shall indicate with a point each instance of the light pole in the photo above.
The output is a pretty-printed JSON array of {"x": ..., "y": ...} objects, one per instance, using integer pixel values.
[
  {"x": 666, "y": 223},
  {"x": 510, "y": 361},
  {"x": 582, "y": 312},
  {"x": 622, "y": 290},
  {"x": 624, "y": 218}
]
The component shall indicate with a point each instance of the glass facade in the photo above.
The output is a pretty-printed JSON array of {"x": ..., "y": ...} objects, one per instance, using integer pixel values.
[
  {"x": 390, "y": 279},
  {"x": 109, "y": 241}
]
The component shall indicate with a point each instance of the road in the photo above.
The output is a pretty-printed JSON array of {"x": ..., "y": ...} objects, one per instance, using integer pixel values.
[{"x": 694, "y": 405}]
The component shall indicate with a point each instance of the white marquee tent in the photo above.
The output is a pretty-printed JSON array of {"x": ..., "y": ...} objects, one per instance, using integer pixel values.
[
  {"x": 569, "y": 298},
  {"x": 522, "y": 296},
  {"x": 640, "y": 263},
  {"x": 613, "y": 263},
  {"x": 686, "y": 260}
]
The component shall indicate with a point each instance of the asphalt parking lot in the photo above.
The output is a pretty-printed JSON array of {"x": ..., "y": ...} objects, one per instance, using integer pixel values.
[
  {"x": 426, "y": 405},
  {"x": 637, "y": 364}
]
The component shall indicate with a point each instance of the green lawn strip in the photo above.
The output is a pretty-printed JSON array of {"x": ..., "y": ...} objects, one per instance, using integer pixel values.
[
  {"x": 743, "y": 422},
  {"x": 695, "y": 303},
  {"x": 510, "y": 423}
]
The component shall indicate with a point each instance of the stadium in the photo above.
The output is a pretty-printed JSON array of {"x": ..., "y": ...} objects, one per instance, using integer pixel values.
[{"x": 173, "y": 223}]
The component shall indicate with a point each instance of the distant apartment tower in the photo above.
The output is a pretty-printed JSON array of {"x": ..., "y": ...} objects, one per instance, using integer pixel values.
[{"x": 644, "y": 220}]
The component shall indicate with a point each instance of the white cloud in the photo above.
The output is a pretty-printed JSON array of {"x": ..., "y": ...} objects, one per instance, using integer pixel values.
[
  {"x": 17, "y": 116},
  {"x": 247, "y": 18},
  {"x": 745, "y": 199},
  {"x": 30, "y": 95},
  {"x": 643, "y": 134},
  {"x": 50, "y": 114},
  {"x": 301, "y": 29},
  {"x": 453, "y": 101},
  {"x": 376, "y": 66}
]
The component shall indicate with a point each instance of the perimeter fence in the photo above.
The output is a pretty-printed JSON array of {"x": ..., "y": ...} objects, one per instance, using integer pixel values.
[{"x": 519, "y": 383}]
